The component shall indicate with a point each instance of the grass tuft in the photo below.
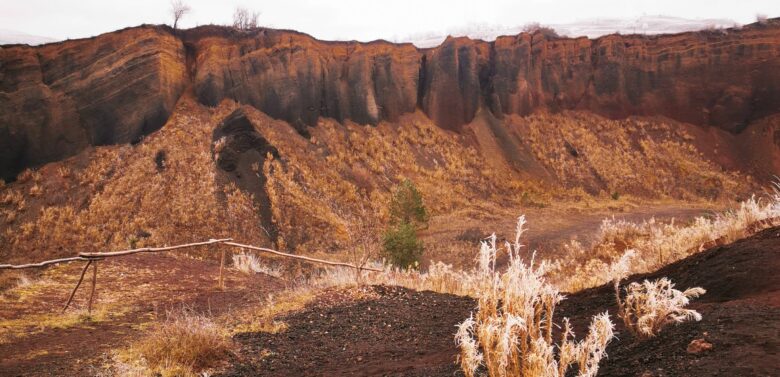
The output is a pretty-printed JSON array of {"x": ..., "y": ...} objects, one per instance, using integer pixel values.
[
  {"x": 513, "y": 326},
  {"x": 183, "y": 345}
]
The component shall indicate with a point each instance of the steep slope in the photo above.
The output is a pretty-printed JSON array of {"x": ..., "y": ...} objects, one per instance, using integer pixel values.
[
  {"x": 270, "y": 140},
  {"x": 293, "y": 77},
  {"x": 59, "y": 98},
  {"x": 724, "y": 78},
  {"x": 168, "y": 188},
  {"x": 234, "y": 171}
]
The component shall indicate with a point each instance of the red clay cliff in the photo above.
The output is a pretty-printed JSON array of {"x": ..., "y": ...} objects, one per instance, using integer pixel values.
[{"x": 56, "y": 99}]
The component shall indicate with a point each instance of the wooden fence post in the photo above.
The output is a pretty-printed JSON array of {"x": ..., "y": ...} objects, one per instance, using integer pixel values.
[
  {"x": 94, "y": 282},
  {"x": 84, "y": 271},
  {"x": 221, "y": 269}
]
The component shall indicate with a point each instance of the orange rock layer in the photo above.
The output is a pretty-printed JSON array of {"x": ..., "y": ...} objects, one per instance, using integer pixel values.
[{"x": 59, "y": 98}]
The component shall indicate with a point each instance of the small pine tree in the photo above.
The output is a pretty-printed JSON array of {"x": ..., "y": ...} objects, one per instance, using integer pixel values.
[
  {"x": 407, "y": 206},
  {"x": 400, "y": 246}
]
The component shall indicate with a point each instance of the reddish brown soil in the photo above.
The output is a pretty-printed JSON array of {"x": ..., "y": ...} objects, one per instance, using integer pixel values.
[
  {"x": 741, "y": 311},
  {"x": 82, "y": 349},
  {"x": 403, "y": 332},
  {"x": 411, "y": 333}
]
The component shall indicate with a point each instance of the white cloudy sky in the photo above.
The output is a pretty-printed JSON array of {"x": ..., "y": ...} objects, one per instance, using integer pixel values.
[{"x": 357, "y": 19}]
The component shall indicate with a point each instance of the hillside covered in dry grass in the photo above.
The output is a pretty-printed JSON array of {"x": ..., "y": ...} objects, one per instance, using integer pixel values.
[
  {"x": 301, "y": 194},
  {"x": 626, "y": 167}
]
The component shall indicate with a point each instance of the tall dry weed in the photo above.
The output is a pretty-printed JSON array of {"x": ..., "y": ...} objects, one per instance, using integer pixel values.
[{"x": 512, "y": 331}]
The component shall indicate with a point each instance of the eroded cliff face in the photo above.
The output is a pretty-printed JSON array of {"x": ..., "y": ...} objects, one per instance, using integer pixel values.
[
  {"x": 296, "y": 78},
  {"x": 724, "y": 78},
  {"x": 57, "y": 99}
]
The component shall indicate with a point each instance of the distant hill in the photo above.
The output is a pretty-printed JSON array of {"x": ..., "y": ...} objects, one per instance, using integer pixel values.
[
  {"x": 592, "y": 28},
  {"x": 17, "y": 37}
]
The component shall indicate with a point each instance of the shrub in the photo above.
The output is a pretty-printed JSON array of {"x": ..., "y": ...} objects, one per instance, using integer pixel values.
[
  {"x": 648, "y": 307},
  {"x": 406, "y": 206},
  {"x": 546, "y": 31},
  {"x": 250, "y": 264},
  {"x": 184, "y": 344},
  {"x": 513, "y": 326},
  {"x": 244, "y": 19},
  {"x": 401, "y": 247}
]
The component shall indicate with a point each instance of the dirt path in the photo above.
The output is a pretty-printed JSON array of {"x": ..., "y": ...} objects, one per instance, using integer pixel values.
[
  {"x": 454, "y": 239},
  {"x": 548, "y": 230},
  {"x": 406, "y": 333},
  {"x": 132, "y": 291}
]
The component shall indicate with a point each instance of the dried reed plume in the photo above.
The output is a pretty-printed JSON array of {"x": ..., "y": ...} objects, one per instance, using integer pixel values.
[
  {"x": 651, "y": 305},
  {"x": 512, "y": 332}
]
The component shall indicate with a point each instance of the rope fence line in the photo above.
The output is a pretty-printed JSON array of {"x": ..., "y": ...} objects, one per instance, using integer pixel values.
[
  {"x": 92, "y": 258},
  {"x": 301, "y": 257},
  {"x": 41, "y": 264}
]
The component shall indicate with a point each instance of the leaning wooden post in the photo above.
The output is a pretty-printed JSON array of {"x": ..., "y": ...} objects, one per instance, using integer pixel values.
[
  {"x": 94, "y": 282},
  {"x": 84, "y": 271},
  {"x": 221, "y": 269}
]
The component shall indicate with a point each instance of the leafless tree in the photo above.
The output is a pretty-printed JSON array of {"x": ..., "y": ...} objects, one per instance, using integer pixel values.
[
  {"x": 243, "y": 19},
  {"x": 364, "y": 232},
  {"x": 178, "y": 10}
]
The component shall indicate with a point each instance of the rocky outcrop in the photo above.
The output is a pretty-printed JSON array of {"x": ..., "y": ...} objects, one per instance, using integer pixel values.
[
  {"x": 721, "y": 78},
  {"x": 294, "y": 77},
  {"x": 57, "y": 99},
  {"x": 240, "y": 153}
]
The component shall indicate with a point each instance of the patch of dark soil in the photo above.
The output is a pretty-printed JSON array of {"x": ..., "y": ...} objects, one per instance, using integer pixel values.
[
  {"x": 240, "y": 157},
  {"x": 400, "y": 333},
  {"x": 741, "y": 315},
  {"x": 407, "y": 333}
]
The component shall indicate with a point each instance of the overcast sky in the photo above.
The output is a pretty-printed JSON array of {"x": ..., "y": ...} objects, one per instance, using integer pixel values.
[{"x": 357, "y": 19}]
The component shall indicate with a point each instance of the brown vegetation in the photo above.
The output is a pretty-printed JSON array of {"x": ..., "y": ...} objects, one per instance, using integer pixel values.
[{"x": 182, "y": 345}]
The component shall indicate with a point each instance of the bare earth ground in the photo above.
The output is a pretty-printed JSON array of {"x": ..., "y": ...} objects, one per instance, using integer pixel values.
[
  {"x": 407, "y": 333},
  {"x": 547, "y": 228},
  {"x": 401, "y": 332},
  {"x": 138, "y": 290},
  {"x": 132, "y": 292}
]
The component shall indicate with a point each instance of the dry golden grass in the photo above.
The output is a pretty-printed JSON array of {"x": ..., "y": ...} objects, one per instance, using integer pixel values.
[
  {"x": 116, "y": 197},
  {"x": 512, "y": 331},
  {"x": 251, "y": 264},
  {"x": 612, "y": 158},
  {"x": 119, "y": 199},
  {"x": 318, "y": 185},
  {"x": 11, "y": 329},
  {"x": 657, "y": 244},
  {"x": 648, "y": 307},
  {"x": 266, "y": 317},
  {"x": 183, "y": 345}
]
